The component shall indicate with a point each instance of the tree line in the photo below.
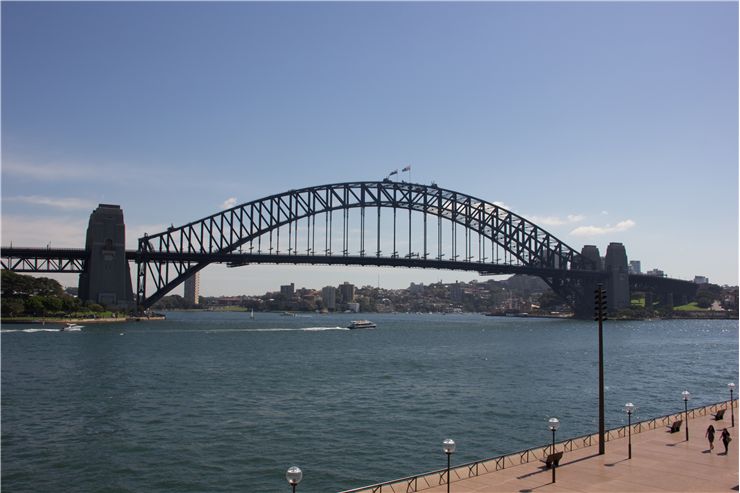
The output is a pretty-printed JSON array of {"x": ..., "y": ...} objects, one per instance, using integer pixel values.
[{"x": 39, "y": 296}]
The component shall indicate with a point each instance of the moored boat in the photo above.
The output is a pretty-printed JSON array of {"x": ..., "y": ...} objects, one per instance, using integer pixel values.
[{"x": 361, "y": 324}]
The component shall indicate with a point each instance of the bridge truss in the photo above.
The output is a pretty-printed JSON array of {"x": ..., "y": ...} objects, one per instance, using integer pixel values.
[
  {"x": 363, "y": 223},
  {"x": 44, "y": 259}
]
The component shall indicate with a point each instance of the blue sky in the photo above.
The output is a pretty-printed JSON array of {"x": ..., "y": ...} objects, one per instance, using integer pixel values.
[{"x": 599, "y": 121}]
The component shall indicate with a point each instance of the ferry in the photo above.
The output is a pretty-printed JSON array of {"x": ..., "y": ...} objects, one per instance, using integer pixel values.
[{"x": 361, "y": 324}]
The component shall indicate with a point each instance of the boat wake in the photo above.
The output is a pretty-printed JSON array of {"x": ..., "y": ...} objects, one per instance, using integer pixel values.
[
  {"x": 304, "y": 329},
  {"x": 31, "y": 331}
]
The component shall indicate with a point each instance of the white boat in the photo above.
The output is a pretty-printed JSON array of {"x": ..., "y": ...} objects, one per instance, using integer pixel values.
[
  {"x": 361, "y": 324},
  {"x": 71, "y": 326}
]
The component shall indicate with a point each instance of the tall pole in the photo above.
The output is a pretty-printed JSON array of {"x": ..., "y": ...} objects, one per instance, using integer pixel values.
[
  {"x": 600, "y": 299},
  {"x": 448, "y": 446},
  {"x": 686, "y": 413},
  {"x": 553, "y": 451},
  {"x": 629, "y": 432},
  {"x": 732, "y": 406},
  {"x": 601, "y": 388}
]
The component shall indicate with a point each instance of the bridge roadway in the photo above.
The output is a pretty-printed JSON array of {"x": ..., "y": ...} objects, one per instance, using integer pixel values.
[
  {"x": 52, "y": 260},
  {"x": 661, "y": 462},
  {"x": 73, "y": 260}
]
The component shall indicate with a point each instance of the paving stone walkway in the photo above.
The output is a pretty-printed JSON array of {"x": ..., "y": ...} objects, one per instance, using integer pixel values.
[{"x": 661, "y": 461}]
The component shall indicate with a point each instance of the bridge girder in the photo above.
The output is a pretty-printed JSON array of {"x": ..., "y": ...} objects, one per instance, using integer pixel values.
[{"x": 44, "y": 260}]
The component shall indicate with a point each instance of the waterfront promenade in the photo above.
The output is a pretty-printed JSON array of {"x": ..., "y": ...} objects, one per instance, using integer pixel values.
[{"x": 661, "y": 461}]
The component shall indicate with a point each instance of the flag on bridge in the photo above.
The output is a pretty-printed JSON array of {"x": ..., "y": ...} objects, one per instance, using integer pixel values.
[
  {"x": 407, "y": 168},
  {"x": 394, "y": 172}
]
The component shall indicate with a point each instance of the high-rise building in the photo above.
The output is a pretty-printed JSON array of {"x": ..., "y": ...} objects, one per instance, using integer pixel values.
[
  {"x": 288, "y": 290},
  {"x": 192, "y": 289},
  {"x": 347, "y": 291},
  {"x": 329, "y": 295},
  {"x": 456, "y": 292},
  {"x": 635, "y": 267}
]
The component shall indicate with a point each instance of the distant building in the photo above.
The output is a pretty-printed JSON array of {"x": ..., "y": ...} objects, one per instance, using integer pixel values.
[
  {"x": 192, "y": 289},
  {"x": 656, "y": 273},
  {"x": 353, "y": 307},
  {"x": 347, "y": 291},
  {"x": 456, "y": 292},
  {"x": 635, "y": 267},
  {"x": 229, "y": 301},
  {"x": 329, "y": 295},
  {"x": 416, "y": 288},
  {"x": 701, "y": 280},
  {"x": 288, "y": 290}
]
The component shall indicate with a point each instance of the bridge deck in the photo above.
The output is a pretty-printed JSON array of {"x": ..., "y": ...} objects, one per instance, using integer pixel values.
[{"x": 660, "y": 461}]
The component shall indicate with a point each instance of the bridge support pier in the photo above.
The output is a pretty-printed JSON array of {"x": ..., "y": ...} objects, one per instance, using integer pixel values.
[
  {"x": 617, "y": 283},
  {"x": 666, "y": 300},
  {"x": 107, "y": 277},
  {"x": 584, "y": 303},
  {"x": 618, "y": 286}
]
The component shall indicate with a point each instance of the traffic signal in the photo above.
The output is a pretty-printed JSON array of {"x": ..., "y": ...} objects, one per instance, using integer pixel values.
[{"x": 600, "y": 304}]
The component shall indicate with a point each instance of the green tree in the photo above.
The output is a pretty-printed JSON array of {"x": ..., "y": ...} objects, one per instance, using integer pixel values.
[
  {"x": 12, "y": 307},
  {"x": 16, "y": 285},
  {"x": 704, "y": 300},
  {"x": 70, "y": 303},
  {"x": 95, "y": 307},
  {"x": 550, "y": 301},
  {"x": 35, "y": 305},
  {"x": 52, "y": 303},
  {"x": 48, "y": 287}
]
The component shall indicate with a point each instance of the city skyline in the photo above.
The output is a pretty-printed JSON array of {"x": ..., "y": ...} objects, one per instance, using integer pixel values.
[{"x": 599, "y": 122}]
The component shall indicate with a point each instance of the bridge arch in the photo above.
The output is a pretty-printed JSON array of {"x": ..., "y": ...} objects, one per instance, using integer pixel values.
[{"x": 168, "y": 258}]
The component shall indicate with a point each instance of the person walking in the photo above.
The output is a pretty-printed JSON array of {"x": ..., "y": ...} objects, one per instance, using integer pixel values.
[
  {"x": 726, "y": 439},
  {"x": 710, "y": 436}
]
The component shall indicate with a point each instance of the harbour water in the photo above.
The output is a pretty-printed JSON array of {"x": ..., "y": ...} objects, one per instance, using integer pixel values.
[{"x": 220, "y": 402}]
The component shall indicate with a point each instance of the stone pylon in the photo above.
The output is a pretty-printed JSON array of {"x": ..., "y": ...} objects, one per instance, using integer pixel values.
[
  {"x": 618, "y": 287},
  {"x": 107, "y": 277}
]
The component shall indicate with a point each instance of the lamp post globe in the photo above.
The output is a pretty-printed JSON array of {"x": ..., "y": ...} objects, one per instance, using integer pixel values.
[
  {"x": 449, "y": 448},
  {"x": 731, "y": 386},
  {"x": 629, "y": 408},
  {"x": 553, "y": 424},
  {"x": 686, "y": 396},
  {"x": 294, "y": 476}
]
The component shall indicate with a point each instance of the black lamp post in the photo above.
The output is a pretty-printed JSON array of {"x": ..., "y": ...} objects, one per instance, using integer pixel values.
[
  {"x": 686, "y": 396},
  {"x": 553, "y": 424},
  {"x": 601, "y": 307},
  {"x": 629, "y": 408},
  {"x": 731, "y": 386},
  {"x": 294, "y": 476},
  {"x": 449, "y": 448}
]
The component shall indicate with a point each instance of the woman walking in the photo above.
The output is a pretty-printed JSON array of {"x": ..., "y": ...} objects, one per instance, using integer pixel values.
[
  {"x": 710, "y": 436},
  {"x": 726, "y": 439}
]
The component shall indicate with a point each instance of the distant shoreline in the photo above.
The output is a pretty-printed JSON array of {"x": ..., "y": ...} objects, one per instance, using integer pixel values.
[
  {"x": 64, "y": 321},
  {"x": 678, "y": 315}
]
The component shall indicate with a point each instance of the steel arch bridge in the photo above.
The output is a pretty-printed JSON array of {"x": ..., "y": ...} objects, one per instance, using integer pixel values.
[{"x": 364, "y": 223}]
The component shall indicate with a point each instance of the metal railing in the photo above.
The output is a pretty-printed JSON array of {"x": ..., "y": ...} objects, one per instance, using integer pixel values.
[{"x": 438, "y": 477}]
